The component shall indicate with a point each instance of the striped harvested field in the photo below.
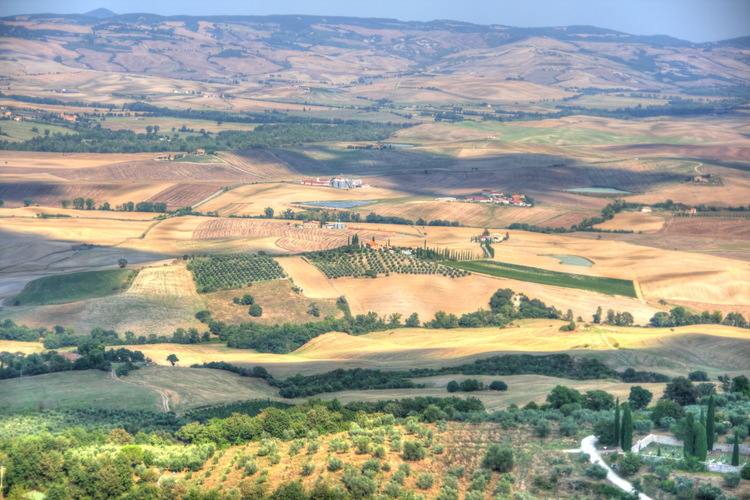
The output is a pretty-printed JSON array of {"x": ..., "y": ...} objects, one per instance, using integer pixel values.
[
  {"x": 185, "y": 195},
  {"x": 157, "y": 170},
  {"x": 260, "y": 162}
]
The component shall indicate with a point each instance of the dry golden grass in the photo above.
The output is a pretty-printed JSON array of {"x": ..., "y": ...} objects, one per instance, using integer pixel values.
[
  {"x": 18, "y": 346},
  {"x": 406, "y": 348},
  {"x": 731, "y": 193},
  {"x": 79, "y": 214},
  {"x": 634, "y": 221},
  {"x": 51, "y": 161},
  {"x": 468, "y": 214},
  {"x": 423, "y": 294},
  {"x": 93, "y": 231},
  {"x": 279, "y": 302},
  {"x": 309, "y": 278}
]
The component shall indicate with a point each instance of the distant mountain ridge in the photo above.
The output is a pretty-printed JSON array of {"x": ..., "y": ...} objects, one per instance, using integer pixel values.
[
  {"x": 343, "y": 50},
  {"x": 100, "y": 13}
]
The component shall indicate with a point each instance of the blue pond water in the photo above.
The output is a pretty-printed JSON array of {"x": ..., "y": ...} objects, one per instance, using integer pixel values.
[
  {"x": 573, "y": 260},
  {"x": 336, "y": 204},
  {"x": 598, "y": 190}
]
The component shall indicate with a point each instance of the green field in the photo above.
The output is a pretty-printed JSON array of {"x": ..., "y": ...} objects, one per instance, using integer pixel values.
[
  {"x": 567, "y": 136},
  {"x": 75, "y": 286},
  {"x": 610, "y": 286},
  {"x": 22, "y": 131},
  {"x": 76, "y": 389}
]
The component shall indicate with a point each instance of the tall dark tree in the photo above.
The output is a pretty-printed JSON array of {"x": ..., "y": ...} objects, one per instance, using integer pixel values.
[
  {"x": 688, "y": 445},
  {"x": 626, "y": 438},
  {"x": 736, "y": 450},
  {"x": 701, "y": 451},
  {"x": 710, "y": 422},
  {"x": 617, "y": 422}
]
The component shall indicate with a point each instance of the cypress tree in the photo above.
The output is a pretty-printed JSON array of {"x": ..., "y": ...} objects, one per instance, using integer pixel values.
[
  {"x": 736, "y": 450},
  {"x": 688, "y": 446},
  {"x": 617, "y": 423},
  {"x": 627, "y": 428},
  {"x": 701, "y": 453},
  {"x": 710, "y": 423}
]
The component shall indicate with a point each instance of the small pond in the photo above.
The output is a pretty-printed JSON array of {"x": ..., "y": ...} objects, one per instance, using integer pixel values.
[
  {"x": 573, "y": 260},
  {"x": 598, "y": 190},
  {"x": 336, "y": 204}
]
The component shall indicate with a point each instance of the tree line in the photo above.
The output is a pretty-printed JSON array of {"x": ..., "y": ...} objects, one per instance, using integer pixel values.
[
  {"x": 102, "y": 140},
  {"x": 93, "y": 356},
  {"x": 554, "y": 365}
]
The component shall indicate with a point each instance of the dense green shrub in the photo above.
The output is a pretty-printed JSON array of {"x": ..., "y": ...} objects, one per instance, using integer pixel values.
[
  {"x": 425, "y": 481},
  {"x": 498, "y": 459}
]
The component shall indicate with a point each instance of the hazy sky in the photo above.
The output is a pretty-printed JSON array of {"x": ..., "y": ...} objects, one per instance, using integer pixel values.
[{"x": 694, "y": 20}]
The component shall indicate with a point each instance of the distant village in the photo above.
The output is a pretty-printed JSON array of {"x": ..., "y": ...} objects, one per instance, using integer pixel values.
[
  {"x": 336, "y": 182},
  {"x": 491, "y": 196}
]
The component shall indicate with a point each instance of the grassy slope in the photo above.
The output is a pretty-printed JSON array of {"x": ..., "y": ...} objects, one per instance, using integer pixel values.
[
  {"x": 610, "y": 286},
  {"x": 75, "y": 286},
  {"x": 195, "y": 387},
  {"x": 77, "y": 389}
]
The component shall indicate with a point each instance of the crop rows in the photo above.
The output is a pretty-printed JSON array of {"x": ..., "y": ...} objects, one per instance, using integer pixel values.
[
  {"x": 224, "y": 272},
  {"x": 610, "y": 286},
  {"x": 371, "y": 263}
]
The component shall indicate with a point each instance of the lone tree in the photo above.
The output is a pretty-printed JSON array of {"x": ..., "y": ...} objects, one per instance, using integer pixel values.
[
  {"x": 639, "y": 397},
  {"x": 255, "y": 311},
  {"x": 122, "y": 263},
  {"x": 172, "y": 359},
  {"x": 498, "y": 459},
  {"x": 269, "y": 212}
]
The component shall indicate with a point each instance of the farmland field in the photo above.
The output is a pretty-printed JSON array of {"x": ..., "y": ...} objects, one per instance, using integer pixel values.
[
  {"x": 611, "y": 286},
  {"x": 280, "y": 303},
  {"x": 194, "y": 387},
  {"x": 71, "y": 287},
  {"x": 222, "y": 272},
  {"x": 227, "y": 116},
  {"x": 76, "y": 389},
  {"x": 159, "y": 300}
]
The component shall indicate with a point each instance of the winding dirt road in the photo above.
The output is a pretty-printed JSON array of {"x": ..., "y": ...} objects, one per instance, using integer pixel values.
[{"x": 162, "y": 394}]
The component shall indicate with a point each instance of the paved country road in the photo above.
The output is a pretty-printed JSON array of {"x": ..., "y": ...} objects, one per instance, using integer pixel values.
[{"x": 588, "y": 445}]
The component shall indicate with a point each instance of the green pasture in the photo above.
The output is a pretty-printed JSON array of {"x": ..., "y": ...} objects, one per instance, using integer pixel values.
[
  {"x": 568, "y": 135},
  {"x": 75, "y": 389},
  {"x": 75, "y": 286},
  {"x": 610, "y": 286},
  {"x": 22, "y": 131}
]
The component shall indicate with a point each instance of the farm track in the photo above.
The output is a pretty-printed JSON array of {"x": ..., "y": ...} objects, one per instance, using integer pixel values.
[{"x": 162, "y": 394}]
